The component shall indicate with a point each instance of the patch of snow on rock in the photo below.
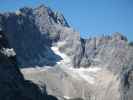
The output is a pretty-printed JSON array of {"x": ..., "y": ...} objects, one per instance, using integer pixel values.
[
  {"x": 65, "y": 58},
  {"x": 8, "y": 52},
  {"x": 67, "y": 97},
  {"x": 35, "y": 69}
]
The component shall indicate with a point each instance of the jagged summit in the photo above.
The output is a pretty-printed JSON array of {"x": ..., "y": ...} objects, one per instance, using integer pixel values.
[
  {"x": 54, "y": 16},
  {"x": 45, "y": 28},
  {"x": 39, "y": 24}
]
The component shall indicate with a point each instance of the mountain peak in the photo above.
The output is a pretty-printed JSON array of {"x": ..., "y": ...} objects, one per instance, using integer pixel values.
[
  {"x": 41, "y": 6},
  {"x": 55, "y": 16}
]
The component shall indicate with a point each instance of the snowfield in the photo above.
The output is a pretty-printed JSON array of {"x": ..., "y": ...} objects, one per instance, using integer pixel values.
[{"x": 87, "y": 74}]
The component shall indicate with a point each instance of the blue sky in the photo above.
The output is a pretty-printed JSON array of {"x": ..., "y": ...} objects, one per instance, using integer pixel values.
[{"x": 89, "y": 17}]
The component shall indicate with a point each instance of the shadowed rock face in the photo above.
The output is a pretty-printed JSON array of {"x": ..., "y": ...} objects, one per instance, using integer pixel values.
[
  {"x": 29, "y": 24},
  {"x": 41, "y": 37},
  {"x": 12, "y": 84}
]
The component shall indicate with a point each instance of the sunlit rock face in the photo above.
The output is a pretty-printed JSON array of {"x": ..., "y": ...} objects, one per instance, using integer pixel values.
[{"x": 50, "y": 52}]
